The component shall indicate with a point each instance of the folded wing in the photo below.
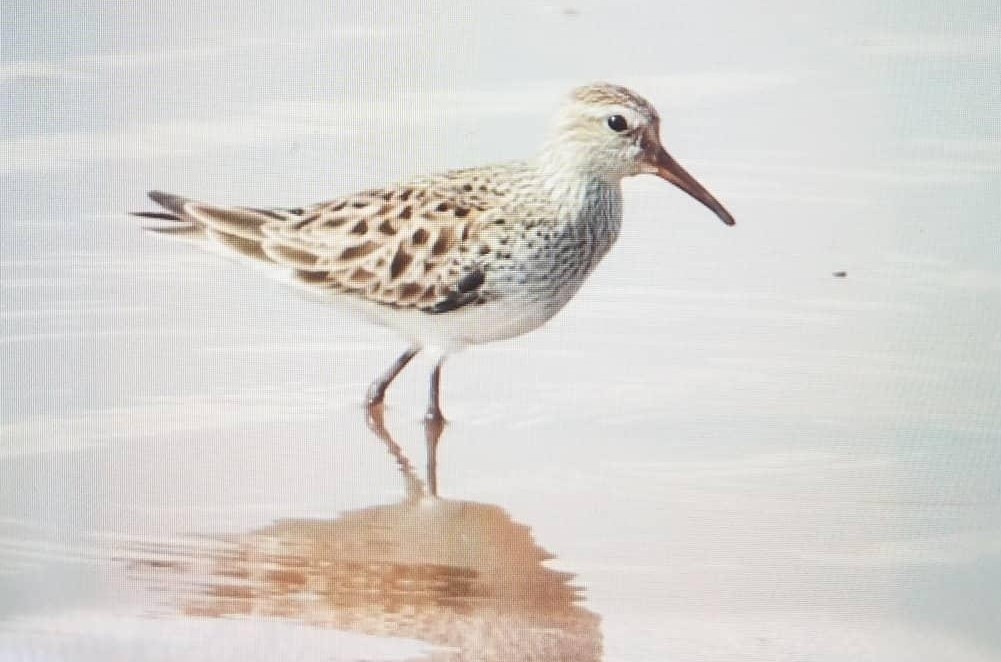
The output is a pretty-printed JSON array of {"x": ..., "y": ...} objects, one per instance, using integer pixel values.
[{"x": 413, "y": 245}]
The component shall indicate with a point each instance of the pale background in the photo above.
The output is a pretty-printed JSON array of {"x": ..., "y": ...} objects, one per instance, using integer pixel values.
[{"x": 739, "y": 456}]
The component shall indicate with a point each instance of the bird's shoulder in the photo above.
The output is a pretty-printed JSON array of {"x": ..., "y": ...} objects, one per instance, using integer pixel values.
[{"x": 454, "y": 196}]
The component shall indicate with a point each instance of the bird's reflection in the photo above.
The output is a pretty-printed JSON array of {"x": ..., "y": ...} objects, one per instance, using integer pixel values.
[{"x": 460, "y": 575}]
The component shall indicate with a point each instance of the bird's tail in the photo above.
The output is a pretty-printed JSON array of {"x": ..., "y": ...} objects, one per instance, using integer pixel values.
[
  {"x": 234, "y": 229},
  {"x": 182, "y": 226},
  {"x": 174, "y": 204}
]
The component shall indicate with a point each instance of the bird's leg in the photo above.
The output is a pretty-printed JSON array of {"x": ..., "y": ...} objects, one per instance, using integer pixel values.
[
  {"x": 377, "y": 390},
  {"x": 434, "y": 424},
  {"x": 432, "y": 433},
  {"x": 433, "y": 416}
]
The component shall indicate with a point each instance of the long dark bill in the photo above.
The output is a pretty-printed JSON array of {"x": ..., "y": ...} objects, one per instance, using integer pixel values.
[{"x": 669, "y": 169}]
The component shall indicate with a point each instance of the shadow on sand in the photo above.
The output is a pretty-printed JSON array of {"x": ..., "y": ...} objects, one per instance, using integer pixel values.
[{"x": 459, "y": 575}]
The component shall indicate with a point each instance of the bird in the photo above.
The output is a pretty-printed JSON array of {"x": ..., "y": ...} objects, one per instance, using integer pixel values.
[{"x": 462, "y": 257}]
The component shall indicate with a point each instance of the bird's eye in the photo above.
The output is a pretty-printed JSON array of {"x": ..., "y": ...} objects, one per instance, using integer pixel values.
[{"x": 617, "y": 123}]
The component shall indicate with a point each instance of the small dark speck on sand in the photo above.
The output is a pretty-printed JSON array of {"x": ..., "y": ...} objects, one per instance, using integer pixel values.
[{"x": 840, "y": 274}]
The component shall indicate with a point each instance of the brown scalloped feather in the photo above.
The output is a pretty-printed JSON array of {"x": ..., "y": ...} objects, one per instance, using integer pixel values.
[{"x": 412, "y": 245}]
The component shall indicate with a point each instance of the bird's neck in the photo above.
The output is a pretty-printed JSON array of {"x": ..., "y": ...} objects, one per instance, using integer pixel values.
[
  {"x": 577, "y": 188},
  {"x": 587, "y": 205}
]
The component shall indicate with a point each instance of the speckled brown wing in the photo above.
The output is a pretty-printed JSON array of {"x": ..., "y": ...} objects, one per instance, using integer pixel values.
[
  {"x": 404, "y": 246},
  {"x": 415, "y": 245}
]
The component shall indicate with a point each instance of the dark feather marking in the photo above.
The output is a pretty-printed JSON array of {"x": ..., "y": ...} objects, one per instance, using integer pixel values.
[
  {"x": 158, "y": 215},
  {"x": 360, "y": 275},
  {"x": 443, "y": 243},
  {"x": 269, "y": 213},
  {"x": 298, "y": 225},
  {"x": 452, "y": 302},
  {"x": 465, "y": 293},
  {"x": 360, "y": 250},
  {"x": 312, "y": 277},
  {"x": 429, "y": 294},
  {"x": 169, "y": 201},
  {"x": 178, "y": 230},
  {"x": 471, "y": 281},
  {"x": 409, "y": 291},
  {"x": 401, "y": 261}
]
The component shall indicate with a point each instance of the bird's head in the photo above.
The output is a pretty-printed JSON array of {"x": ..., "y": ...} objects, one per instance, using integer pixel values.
[{"x": 611, "y": 132}]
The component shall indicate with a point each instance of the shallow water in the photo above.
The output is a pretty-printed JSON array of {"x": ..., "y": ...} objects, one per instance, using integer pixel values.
[{"x": 719, "y": 451}]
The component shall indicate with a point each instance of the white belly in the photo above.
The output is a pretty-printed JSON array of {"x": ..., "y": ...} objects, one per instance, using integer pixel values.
[{"x": 470, "y": 325}]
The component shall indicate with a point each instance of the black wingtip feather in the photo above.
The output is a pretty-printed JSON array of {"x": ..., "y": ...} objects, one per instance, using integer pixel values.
[
  {"x": 169, "y": 201},
  {"x": 174, "y": 204},
  {"x": 158, "y": 215},
  {"x": 465, "y": 294}
]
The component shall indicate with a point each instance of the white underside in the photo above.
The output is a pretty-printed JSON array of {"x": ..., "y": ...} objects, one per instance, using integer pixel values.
[
  {"x": 471, "y": 325},
  {"x": 444, "y": 333}
]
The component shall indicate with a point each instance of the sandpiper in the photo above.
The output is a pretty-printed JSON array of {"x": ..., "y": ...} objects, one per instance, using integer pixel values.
[{"x": 467, "y": 256}]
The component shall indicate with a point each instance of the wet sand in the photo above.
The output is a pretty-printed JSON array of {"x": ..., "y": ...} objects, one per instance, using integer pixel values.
[{"x": 713, "y": 493}]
